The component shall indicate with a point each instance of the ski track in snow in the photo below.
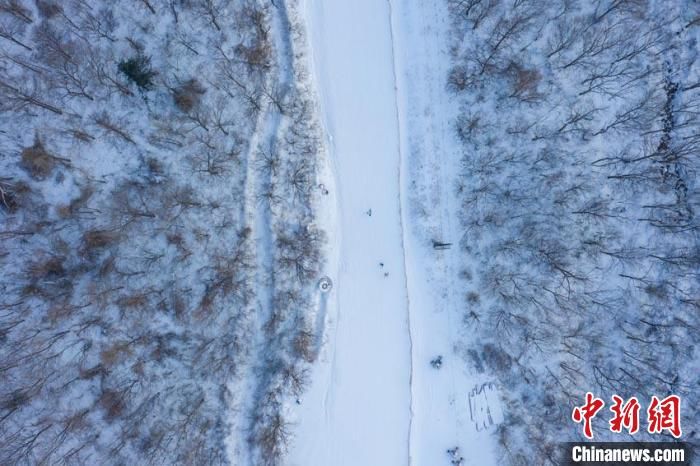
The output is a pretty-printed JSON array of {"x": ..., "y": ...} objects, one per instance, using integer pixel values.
[
  {"x": 258, "y": 217},
  {"x": 379, "y": 70}
]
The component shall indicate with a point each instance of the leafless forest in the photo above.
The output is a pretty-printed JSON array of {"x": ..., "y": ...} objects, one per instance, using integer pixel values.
[
  {"x": 580, "y": 142},
  {"x": 160, "y": 247},
  {"x": 157, "y": 163}
]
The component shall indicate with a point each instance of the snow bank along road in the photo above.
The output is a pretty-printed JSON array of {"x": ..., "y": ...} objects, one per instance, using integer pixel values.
[{"x": 366, "y": 405}]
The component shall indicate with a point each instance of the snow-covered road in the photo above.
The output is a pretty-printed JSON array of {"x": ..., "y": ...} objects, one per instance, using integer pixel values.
[
  {"x": 374, "y": 399},
  {"x": 366, "y": 404}
]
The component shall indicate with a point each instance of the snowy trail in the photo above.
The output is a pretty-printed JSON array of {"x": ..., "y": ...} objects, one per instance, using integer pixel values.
[
  {"x": 363, "y": 399},
  {"x": 256, "y": 214},
  {"x": 443, "y": 416},
  {"x": 379, "y": 70}
]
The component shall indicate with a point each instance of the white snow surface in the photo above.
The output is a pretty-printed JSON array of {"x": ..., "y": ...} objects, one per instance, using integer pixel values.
[{"x": 379, "y": 69}]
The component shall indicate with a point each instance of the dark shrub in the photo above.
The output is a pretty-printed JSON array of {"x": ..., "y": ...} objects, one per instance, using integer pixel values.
[{"x": 138, "y": 70}]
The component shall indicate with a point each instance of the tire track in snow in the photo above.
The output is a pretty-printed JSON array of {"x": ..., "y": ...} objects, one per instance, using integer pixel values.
[{"x": 400, "y": 170}]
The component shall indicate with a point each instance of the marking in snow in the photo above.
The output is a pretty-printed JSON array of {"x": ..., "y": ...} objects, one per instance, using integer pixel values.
[
  {"x": 480, "y": 411},
  {"x": 325, "y": 284}
]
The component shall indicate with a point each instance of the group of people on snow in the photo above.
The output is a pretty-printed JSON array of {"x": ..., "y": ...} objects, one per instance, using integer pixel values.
[{"x": 455, "y": 457}]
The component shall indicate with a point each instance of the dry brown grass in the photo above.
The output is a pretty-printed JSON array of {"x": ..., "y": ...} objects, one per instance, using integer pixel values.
[
  {"x": 69, "y": 210},
  {"x": 114, "y": 354},
  {"x": 188, "y": 96},
  {"x": 32, "y": 290},
  {"x": 257, "y": 54},
  {"x": 134, "y": 301},
  {"x": 46, "y": 269},
  {"x": 37, "y": 160},
  {"x": 77, "y": 422},
  {"x": 113, "y": 404},
  {"x": 96, "y": 240},
  {"x": 59, "y": 312},
  {"x": 525, "y": 82}
]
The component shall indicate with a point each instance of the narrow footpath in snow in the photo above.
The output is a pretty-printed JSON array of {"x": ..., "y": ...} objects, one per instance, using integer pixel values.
[{"x": 378, "y": 66}]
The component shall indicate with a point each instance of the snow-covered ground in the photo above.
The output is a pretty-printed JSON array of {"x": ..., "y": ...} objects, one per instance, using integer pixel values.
[
  {"x": 453, "y": 406},
  {"x": 379, "y": 71},
  {"x": 358, "y": 410}
]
